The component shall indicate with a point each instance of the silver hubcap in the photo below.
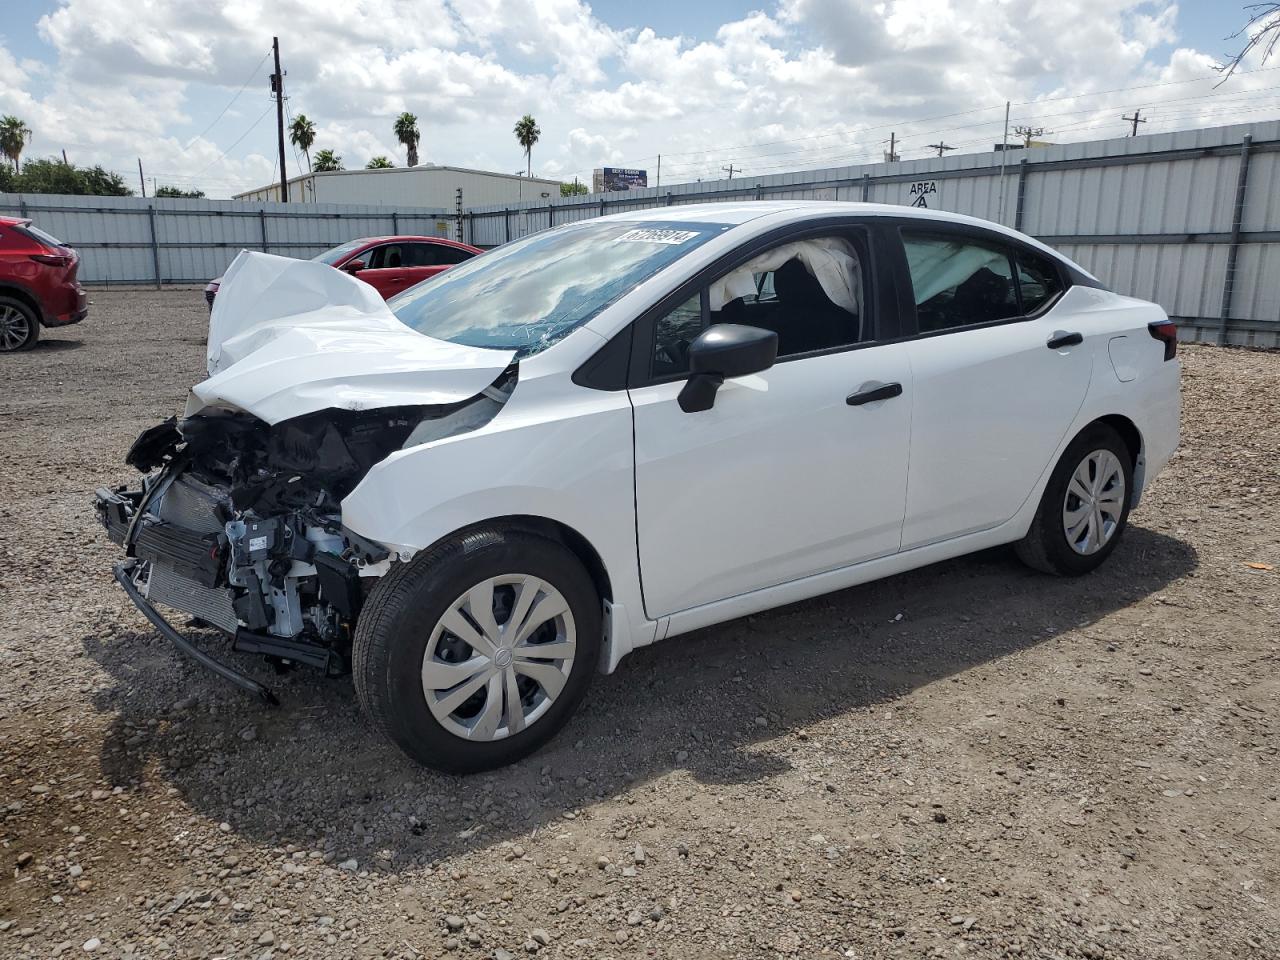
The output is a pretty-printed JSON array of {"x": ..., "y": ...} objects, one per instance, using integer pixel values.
[
  {"x": 499, "y": 657},
  {"x": 15, "y": 327},
  {"x": 1094, "y": 502}
]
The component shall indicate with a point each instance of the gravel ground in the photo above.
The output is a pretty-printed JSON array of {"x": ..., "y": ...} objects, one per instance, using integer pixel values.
[{"x": 968, "y": 760}]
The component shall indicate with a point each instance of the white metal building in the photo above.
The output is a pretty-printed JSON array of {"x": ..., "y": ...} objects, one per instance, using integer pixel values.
[{"x": 426, "y": 185}]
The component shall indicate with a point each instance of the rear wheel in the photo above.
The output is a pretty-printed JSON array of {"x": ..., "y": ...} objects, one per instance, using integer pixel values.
[
  {"x": 478, "y": 651},
  {"x": 19, "y": 326},
  {"x": 1085, "y": 506}
]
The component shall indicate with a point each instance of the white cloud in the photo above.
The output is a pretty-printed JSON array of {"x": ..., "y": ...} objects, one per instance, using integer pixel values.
[{"x": 799, "y": 82}]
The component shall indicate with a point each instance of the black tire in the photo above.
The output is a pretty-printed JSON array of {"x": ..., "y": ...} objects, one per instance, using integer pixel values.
[
  {"x": 395, "y": 627},
  {"x": 1046, "y": 547},
  {"x": 25, "y": 316}
]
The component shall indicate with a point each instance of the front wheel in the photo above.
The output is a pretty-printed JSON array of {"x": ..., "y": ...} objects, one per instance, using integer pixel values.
[
  {"x": 1085, "y": 506},
  {"x": 478, "y": 651}
]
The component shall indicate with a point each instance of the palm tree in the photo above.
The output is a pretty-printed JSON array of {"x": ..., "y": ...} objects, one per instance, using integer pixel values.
[
  {"x": 14, "y": 135},
  {"x": 302, "y": 134},
  {"x": 406, "y": 130},
  {"x": 527, "y": 134},
  {"x": 326, "y": 159},
  {"x": 378, "y": 163}
]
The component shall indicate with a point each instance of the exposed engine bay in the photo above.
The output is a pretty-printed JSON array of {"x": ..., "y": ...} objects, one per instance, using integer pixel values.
[{"x": 238, "y": 523}]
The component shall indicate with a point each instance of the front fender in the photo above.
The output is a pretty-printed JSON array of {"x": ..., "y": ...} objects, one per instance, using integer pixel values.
[{"x": 571, "y": 463}]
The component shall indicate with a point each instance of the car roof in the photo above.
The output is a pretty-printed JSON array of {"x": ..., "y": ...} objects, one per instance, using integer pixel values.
[
  {"x": 739, "y": 212},
  {"x": 406, "y": 238},
  {"x": 15, "y": 221},
  {"x": 781, "y": 212}
]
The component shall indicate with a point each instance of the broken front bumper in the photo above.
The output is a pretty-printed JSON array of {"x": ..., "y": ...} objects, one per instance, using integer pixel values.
[{"x": 179, "y": 567}]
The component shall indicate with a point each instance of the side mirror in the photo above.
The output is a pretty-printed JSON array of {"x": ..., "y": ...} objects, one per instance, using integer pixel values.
[
  {"x": 354, "y": 266},
  {"x": 720, "y": 353}
]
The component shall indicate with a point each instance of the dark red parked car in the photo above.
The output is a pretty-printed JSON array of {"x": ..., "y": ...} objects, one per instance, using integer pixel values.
[
  {"x": 38, "y": 285},
  {"x": 388, "y": 264}
]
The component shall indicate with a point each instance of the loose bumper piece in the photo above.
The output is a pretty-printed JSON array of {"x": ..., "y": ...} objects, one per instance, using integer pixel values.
[{"x": 123, "y": 572}]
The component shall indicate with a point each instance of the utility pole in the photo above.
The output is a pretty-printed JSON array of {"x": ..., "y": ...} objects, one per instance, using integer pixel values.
[
  {"x": 64, "y": 156},
  {"x": 1029, "y": 134},
  {"x": 940, "y": 147},
  {"x": 731, "y": 170},
  {"x": 277, "y": 87},
  {"x": 1136, "y": 119},
  {"x": 141, "y": 182},
  {"x": 1004, "y": 151},
  {"x": 659, "y": 183},
  {"x": 892, "y": 155}
]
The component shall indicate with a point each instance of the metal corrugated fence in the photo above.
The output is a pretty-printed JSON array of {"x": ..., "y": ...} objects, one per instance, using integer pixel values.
[
  {"x": 1190, "y": 220},
  {"x": 164, "y": 240}
]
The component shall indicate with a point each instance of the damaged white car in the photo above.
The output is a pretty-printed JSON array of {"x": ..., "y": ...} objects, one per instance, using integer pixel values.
[{"x": 478, "y": 494}]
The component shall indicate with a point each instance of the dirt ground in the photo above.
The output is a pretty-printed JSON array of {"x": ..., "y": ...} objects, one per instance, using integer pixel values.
[{"x": 968, "y": 760}]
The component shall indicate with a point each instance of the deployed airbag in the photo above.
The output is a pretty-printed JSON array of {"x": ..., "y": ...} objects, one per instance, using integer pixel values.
[{"x": 831, "y": 260}]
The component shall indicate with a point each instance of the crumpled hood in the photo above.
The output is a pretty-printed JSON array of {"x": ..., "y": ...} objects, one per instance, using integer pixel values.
[{"x": 290, "y": 337}]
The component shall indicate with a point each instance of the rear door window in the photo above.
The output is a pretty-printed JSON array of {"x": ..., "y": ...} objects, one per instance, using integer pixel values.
[
  {"x": 35, "y": 233},
  {"x": 447, "y": 256},
  {"x": 959, "y": 281},
  {"x": 1039, "y": 280}
]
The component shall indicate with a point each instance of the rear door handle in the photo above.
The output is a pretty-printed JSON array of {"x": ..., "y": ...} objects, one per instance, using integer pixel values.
[
  {"x": 874, "y": 394},
  {"x": 1065, "y": 340}
]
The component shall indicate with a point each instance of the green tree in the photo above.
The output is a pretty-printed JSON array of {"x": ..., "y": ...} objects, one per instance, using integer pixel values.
[
  {"x": 51, "y": 175},
  {"x": 327, "y": 160},
  {"x": 406, "y": 131},
  {"x": 574, "y": 189},
  {"x": 379, "y": 163},
  {"x": 6, "y": 180},
  {"x": 179, "y": 192},
  {"x": 14, "y": 136},
  {"x": 302, "y": 134},
  {"x": 527, "y": 134}
]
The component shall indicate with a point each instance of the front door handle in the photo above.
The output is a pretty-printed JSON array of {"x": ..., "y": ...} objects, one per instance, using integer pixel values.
[
  {"x": 1064, "y": 340},
  {"x": 874, "y": 394}
]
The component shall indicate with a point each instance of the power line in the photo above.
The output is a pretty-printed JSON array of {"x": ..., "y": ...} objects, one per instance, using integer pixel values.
[
  {"x": 252, "y": 127},
  {"x": 242, "y": 89},
  {"x": 857, "y": 132},
  {"x": 833, "y": 151}
]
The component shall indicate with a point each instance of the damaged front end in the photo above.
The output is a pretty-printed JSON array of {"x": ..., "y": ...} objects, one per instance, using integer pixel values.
[{"x": 237, "y": 523}]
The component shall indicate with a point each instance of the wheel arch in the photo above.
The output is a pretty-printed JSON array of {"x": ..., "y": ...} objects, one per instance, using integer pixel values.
[
  {"x": 10, "y": 289},
  {"x": 556, "y": 530},
  {"x": 1132, "y": 438}
]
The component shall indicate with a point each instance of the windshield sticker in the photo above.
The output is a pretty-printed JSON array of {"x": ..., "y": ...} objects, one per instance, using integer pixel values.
[{"x": 655, "y": 235}]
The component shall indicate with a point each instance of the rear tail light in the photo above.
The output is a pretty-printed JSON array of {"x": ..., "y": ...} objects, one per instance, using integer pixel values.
[
  {"x": 1167, "y": 332},
  {"x": 53, "y": 259}
]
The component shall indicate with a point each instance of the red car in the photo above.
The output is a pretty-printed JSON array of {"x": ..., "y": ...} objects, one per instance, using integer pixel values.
[
  {"x": 388, "y": 264},
  {"x": 38, "y": 284}
]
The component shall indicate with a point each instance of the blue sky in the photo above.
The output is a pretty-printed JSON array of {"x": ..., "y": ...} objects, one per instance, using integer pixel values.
[{"x": 768, "y": 86}]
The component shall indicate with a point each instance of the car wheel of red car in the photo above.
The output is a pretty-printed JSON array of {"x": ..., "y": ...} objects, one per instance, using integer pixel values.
[{"x": 19, "y": 328}]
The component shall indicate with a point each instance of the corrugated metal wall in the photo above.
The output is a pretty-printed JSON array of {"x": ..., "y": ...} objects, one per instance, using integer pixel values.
[
  {"x": 1152, "y": 216},
  {"x": 136, "y": 240}
]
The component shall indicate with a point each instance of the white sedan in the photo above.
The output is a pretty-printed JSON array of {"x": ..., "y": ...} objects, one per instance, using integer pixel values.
[{"x": 613, "y": 432}]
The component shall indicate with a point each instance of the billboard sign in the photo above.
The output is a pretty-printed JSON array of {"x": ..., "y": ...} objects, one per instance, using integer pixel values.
[{"x": 607, "y": 179}]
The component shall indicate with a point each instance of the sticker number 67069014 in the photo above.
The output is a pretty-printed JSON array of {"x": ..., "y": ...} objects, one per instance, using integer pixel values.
[{"x": 657, "y": 235}]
